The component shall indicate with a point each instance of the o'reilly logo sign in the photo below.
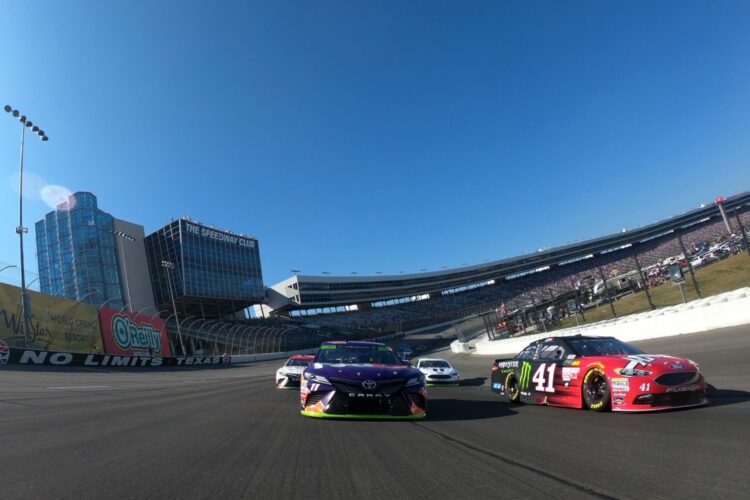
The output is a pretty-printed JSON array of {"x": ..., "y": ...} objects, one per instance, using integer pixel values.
[
  {"x": 128, "y": 335},
  {"x": 206, "y": 232}
]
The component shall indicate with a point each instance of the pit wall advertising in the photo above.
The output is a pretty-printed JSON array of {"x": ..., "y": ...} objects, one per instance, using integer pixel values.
[
  {"x": 56, "y": 324},
  {"x": 129, "y": 334}
]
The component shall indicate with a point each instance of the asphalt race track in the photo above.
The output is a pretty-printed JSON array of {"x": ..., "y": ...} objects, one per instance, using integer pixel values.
[{"x": 227, "y": 433}]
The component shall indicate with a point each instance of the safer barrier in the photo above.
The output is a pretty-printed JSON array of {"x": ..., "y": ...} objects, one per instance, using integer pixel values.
[{"x": 719, "y": 311}]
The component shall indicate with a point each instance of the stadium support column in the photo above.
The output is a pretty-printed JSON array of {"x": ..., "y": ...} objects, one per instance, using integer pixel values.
[
  {"x": 643, "y": 279},
  {"x": 720, "y": 202},
  {"x": 606, "y": 293},
  {"x": 742, "y": 231},
  {"x": 690, "y": 267}
]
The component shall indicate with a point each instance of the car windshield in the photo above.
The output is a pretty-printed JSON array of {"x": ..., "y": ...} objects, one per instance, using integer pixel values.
[
  {"x": 601, "y": 347},
  {"x": 376, "y": 355},
  {"x": 298, "y": 362},
  {"x": 434, "y": 364}
]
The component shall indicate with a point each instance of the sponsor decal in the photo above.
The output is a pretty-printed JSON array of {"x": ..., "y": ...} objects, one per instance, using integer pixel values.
[
  {"x": 677, "y": 367},
  {"x": 525, "y": 375},
  {"x": 571, "y": 356},
  {"x": 618, "y": 401},
  {"x": 4, "y": 353},
  {"x": 687, "y": 388},
  {"x": 570, "y": 373},
  {"x": 367, "y": 395},
  {"x": 507, "y": 364},
  {"x": 620, "y": 384},
  {"x": 569, "y": 362},
  {"x": 496, "y": 385},
  {"x": 636, "y": 360}
]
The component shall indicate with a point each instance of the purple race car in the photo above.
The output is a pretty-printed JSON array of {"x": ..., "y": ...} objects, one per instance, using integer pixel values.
[{"x": 361, "y": 380}]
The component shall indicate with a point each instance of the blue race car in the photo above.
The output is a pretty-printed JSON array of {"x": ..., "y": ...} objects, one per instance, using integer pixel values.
[{"x": 361, "y": 380}]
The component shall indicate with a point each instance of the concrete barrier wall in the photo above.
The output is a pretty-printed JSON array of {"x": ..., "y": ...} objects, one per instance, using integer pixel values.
[
  {"x": 719, "y": 311},
  {"x": 250, "y": 358}
]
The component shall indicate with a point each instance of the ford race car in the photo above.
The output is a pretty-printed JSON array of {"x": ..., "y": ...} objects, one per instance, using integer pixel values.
[
  {"x": 361, "y": 380},
  {"x": 438, "y": 372},
  {"x": 287, "y": 377},
  {"x": 599, "y": 373}
]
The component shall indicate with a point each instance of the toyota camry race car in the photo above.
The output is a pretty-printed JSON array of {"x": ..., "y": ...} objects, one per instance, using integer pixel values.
[
  {"x": 287, "y": 377},
  {"x": 599, "y": 373},
  {"x": 361, "y": 380},
  {"x": 438, "y": 372}
]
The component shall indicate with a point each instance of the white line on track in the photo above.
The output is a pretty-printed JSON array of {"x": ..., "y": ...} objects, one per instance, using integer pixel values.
[{"x": 81, "y": 387}]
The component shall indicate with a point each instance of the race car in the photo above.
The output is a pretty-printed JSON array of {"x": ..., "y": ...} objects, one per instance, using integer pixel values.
[
  {"x": 438, "y": 372},
  {"x": 361, "y": 380},
  {"x": 287, "y": 377},
  {"x": 598, "y": 373}
]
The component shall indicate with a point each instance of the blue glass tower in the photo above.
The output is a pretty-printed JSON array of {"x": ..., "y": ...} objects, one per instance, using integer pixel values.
[{"x": 77, "y": 253}]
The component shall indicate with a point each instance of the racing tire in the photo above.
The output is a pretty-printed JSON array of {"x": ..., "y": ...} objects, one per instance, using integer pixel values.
[
  {"x": 595, "y": 389},
  {"x": 512, "y": 388}
]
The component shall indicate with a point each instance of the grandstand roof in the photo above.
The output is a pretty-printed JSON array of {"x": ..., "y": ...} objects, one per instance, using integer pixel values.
[{"x": 303, "y": 291}]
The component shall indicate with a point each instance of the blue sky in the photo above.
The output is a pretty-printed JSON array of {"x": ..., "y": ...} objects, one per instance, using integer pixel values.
[{"x": 379, "y": 136}]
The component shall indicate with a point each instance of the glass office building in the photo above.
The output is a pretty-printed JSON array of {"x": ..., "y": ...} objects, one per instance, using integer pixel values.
[
  {"x": 210, "y": 272},
  {"x": 77, "y": 253}
]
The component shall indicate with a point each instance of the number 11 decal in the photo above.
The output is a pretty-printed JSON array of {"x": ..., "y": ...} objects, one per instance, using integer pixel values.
[{"x": 541, "y": 380}]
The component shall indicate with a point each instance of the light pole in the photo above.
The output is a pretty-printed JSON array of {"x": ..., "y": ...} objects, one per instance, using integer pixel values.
[
  {"x": 106, "y": 301},
  {"x": 158, "y": 313},
  {"x": 139, "y": 311},
  {"x": 6, "y": 267},
  {"x": 168, "y": 266},
  {"x": 127, "y": 237},
  {"x": 21, "y": 230}
]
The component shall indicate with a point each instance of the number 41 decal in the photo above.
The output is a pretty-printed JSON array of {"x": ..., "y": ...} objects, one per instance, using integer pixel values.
[{"x": 541, "y": 378}]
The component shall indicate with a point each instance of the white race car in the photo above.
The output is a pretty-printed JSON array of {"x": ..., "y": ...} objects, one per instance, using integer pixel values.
[
  {"x": 287, "y": 377},
  {"x": 438, "y": 372}
]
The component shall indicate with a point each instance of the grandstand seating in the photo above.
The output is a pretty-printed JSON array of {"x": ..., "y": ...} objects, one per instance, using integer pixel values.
[{"x": 531, "y": 291}]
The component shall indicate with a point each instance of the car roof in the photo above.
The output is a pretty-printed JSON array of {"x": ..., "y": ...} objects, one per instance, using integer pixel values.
[
  {"x": 573, "y": 337},
  {"x": 353, "y": 343},
  {"x": 302, "y": 356}
]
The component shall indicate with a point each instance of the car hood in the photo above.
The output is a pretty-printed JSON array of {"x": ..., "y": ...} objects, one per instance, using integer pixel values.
[
  {"x": 436, "y": 370},
  {"x": 291, "y": 369},
  {"x": 656, "y": 363},
  {"x": 363, "y": 371}
]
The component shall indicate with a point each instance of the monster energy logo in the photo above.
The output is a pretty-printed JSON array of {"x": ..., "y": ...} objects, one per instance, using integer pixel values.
[{"x": 525, "y": 375}]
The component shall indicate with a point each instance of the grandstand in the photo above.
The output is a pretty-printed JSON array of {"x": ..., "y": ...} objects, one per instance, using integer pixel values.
[{"x": 308, "y": 309}]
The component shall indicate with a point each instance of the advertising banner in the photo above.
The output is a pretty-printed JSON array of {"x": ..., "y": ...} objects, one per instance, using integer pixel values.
[
  {"x": 129, "y": 334},
  {"x": 49, "y": 358},
  {"x": 55, "y": 324}
]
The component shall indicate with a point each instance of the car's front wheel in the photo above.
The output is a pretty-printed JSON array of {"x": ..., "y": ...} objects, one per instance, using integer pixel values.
[
  {"x": 512, "y": 389},
  {"x": 596, "y": 394}
]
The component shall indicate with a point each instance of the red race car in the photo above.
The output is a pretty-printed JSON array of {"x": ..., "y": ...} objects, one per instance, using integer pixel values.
[{"x": 599, "y": 373}]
